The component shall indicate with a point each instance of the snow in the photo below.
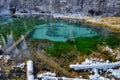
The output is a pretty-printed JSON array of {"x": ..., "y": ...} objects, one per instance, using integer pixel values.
[
  {"x": 115, "y": 73},
  {"x": 107, "y": 48},
  {"x": 30, "y": 70},
  {"x": 7, "y": 58},
  {"x": 77, "y": 15},
  {"x": 103, "y": 66},
  {"x": 95, "y": 63},
  {"x": 52, "y": 76},
  {"x": 22, "y": 65},
  {"x": 57, "y": 15},
  {"x": 65, "y": 78},
  {"x": 92, "y": 61},
  {"x": 31, "y": 77},
  {"x": 47, "y": 75},
  {"x": 1, "y": 57},
  {"x": 22, "y": 37},
  {"x": 97, "y": 77},
  {"x": 49, "y": 78},
  {"x": 30, "y": 66}
]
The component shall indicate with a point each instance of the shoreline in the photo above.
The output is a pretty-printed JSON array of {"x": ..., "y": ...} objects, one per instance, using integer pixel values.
[{"x": 112, "y": 23}]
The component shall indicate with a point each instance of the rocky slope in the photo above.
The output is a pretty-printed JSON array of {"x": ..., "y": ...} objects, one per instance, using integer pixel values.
[{"x": 88, "y": 7}]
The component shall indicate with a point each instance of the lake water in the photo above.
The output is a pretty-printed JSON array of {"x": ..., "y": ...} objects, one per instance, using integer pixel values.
[
  {"x": 61, "y": 32},
  {"x": 5, "y": 19}
]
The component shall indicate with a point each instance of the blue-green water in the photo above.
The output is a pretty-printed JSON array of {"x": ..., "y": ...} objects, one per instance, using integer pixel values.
[
  {"x": 5, "y": 19},
  {"x": 61, "y": 32}
]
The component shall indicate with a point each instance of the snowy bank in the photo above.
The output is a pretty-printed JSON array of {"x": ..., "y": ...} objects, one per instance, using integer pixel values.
[{"x": 89, "y": 64}]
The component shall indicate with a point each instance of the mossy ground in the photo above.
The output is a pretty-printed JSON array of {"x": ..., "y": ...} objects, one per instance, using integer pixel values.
[
  {"x": 20, "y": 26},
  {"x": 84, "y": 46}
]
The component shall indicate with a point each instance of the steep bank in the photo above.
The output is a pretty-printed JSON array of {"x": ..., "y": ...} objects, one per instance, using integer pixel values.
[{"x": 85, "y": 7}]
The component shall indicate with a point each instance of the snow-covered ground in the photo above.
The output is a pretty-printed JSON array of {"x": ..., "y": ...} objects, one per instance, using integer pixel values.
[
  {"x": 52, "y": 76},
  {"x": 97, "y": 65},
  {"x": 94, "y": 64},
  {"x": 79, "y": 15},
  {"x": 114, "y": 72}
]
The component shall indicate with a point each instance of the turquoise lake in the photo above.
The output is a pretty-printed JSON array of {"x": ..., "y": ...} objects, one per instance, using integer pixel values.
[{"x": 61, "y": 32}]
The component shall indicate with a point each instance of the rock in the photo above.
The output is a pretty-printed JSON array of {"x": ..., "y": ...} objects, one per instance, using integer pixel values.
[{"x": 88, "y": 7}]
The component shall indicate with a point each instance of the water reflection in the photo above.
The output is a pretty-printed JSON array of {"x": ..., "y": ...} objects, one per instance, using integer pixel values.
[
  {"x": 61, "y": 32},
  {"x": 5, "y": 19}
]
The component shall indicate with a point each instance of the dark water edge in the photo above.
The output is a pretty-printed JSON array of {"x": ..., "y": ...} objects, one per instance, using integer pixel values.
[{"x": 5, "y": 19}]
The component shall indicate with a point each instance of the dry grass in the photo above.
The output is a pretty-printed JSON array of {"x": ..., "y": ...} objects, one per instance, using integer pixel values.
[
  {"x": 79, "y": 59},
  {"x": 53, "y": 64},
  {"x": 110, "y": 22}
]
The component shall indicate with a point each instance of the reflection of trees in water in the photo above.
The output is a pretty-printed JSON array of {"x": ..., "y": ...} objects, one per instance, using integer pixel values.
[
  {"x": 102, "y": 31},
  {"x": 57, "y": 31},
  {"x": 62, "y": 31},
  {"x": 52, "y": 31}
]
